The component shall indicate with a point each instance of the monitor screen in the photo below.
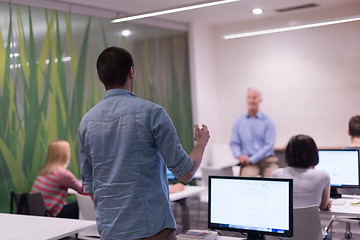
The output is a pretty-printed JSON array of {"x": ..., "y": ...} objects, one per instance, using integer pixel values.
[
  {"x": 170, "y": 175},
  {"x": 256, "y": 206},
  {"x": 342, "y": 166}
]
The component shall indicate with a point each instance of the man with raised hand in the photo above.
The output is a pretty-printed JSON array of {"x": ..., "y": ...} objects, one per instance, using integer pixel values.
[{"x": 126, "y": 143}]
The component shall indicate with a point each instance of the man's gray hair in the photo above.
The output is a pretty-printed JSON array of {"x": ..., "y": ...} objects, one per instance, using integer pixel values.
[{"x": 255, "y": 90}]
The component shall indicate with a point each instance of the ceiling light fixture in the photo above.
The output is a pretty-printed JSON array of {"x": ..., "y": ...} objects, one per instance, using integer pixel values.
[
  {"x": 174, "y": 10},
  {"x": 276, "y": 30},
  {"x": 257, "y": 11},
  {"x": 125, "y": 33}
]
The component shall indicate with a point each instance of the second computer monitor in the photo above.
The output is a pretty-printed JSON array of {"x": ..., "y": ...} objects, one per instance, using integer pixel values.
[
  {"x": 342, "y": 166},
  {"x": 256, "y": 206}
]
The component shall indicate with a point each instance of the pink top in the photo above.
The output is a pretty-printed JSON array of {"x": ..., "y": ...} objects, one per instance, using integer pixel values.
[{"x": 53, "y": 188}]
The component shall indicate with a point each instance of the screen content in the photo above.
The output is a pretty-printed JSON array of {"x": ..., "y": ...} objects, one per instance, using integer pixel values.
[
  {"x": 250, "y": 204},
  {"x": 342, "y": 166},
  {"x": 170, "y": 175}
]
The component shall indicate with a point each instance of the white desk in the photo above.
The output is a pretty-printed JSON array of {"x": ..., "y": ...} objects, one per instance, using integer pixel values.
[
  {"x": 181, "y": 197},
  {"x": 25, "y": 227},
  {"x": 189, "y": 191},
  {"x": 345, "y": 205},
  {"x": 229, "y": 238},
  {"x": 343, "y": 209}
]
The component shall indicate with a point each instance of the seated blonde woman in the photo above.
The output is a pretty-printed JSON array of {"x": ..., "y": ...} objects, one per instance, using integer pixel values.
[{"x": 54, "y": 179}]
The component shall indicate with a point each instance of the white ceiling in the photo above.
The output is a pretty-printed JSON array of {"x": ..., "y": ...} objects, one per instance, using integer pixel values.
[{"x": 220, "y": 14}]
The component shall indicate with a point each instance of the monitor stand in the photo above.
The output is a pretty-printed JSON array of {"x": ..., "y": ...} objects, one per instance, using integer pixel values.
[
  {"x": 334, "y": 193},
  {"x": 255, "y": 236}
]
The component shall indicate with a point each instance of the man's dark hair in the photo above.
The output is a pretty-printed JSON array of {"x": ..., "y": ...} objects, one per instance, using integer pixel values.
[
  {"x": 301, "y": 152},
  {"x": 113, "y": 66},
  {"x": 354, "y": 126}
]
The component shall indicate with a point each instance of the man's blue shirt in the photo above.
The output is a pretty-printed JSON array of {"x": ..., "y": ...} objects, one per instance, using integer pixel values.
[
  {"x": 253, "y": 137},
  {"x": 125, "y": 145}
]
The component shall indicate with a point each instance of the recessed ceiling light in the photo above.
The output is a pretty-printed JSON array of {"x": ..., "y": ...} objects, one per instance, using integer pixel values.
[
  {"x": 174, "y": 10},
  {"x": 257, "y": 11},
  {"x": 125, "y": 33},
  {"x": 14, "y": 55},
  {"x": 284, "y": 29}
]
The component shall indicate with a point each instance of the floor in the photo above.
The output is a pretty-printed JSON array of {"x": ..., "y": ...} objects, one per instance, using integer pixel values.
[{"x": 198, "y": 220}]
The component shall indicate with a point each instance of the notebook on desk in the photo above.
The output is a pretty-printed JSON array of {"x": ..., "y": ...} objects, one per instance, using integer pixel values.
[
  {"x": 338, "y": 202},
  {"x": 197, "y": 234}
]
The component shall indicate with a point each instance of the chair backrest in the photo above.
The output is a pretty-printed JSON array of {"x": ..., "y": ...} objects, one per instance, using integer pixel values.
[
  {"x": 86, "y": 207},
  {"x": 28, "y": 204},
  {"x": 307, "y": 224},
  {"x": 86, "y": 212}
]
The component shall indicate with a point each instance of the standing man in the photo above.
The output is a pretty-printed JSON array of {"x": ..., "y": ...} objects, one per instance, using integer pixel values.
[
  {"x": 126, "y": 143},
  {"x": 354, "y": 132},
  {"x": 253, "y": 140}
]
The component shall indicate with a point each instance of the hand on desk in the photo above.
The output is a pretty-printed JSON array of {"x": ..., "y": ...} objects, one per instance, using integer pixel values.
[
  {"x": 328, "y": 206},
  {"x": 176, "y": 187}
]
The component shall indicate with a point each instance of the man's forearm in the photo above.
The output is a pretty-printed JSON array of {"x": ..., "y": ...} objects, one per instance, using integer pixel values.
[{"x": 197, "y": 155}]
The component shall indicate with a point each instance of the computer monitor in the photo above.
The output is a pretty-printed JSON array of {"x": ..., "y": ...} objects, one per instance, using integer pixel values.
[
  {"x": 342, "y": 166},
  {"x": 256, "y": 206},
  {"x": 170, "y": 176}
]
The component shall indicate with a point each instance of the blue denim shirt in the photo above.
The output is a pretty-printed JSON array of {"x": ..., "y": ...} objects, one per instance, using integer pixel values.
[
  {"x": 125, "y": 145},
  {"x": 253, "y": 137}
]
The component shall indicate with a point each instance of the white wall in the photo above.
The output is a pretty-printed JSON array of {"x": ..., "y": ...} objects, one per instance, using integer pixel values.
[
  {"x": 204, "y": 89},
  {"x": 310, "y": 80}
]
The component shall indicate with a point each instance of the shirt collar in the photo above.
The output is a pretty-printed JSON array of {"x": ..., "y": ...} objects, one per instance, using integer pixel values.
[
  {"x": 257, "y": 115},
  {"x": 117, "y": 91}
]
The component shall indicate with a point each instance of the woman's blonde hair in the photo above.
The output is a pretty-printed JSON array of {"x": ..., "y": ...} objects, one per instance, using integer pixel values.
[{"x": 58, "y": 156}]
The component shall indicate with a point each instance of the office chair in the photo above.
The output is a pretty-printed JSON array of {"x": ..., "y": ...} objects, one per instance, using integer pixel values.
[
  {"x": 28, "y": 204},
  {"x": 307, "y": 223},
  {"x": 86, "y": 212}
]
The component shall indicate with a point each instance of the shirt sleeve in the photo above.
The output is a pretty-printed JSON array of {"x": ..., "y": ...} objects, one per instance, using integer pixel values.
[
  {"x": 326, "y": 179},
  {"x": 276, "y": 173},
  {"x": 85, "y": 167},
  {"x": 68, "y": 180},
  {"x": 167, "y": 140},
  {"x": 268, "y": 147},
  {"x": 235, "y": 141}
]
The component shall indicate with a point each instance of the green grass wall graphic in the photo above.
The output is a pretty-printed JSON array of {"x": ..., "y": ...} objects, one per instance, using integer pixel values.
[{"x": 48, "y": 81}]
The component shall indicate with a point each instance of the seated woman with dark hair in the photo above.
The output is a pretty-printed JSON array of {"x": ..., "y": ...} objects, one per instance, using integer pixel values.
[{"x": 311, "y": 186}]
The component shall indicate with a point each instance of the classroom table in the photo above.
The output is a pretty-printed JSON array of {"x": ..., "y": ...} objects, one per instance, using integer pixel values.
[
  {"x": 344, "y": 209},
  {"x": 188, "y": 191},
  {"x": 220, "y": 237},
  {"x": 229, "y": 238},
  {"x": 347, "y": 204},
  {"x": 181, "y": 198},
  {"x": 26, "y": 227},
  {"x": 243, "y": 238}
]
